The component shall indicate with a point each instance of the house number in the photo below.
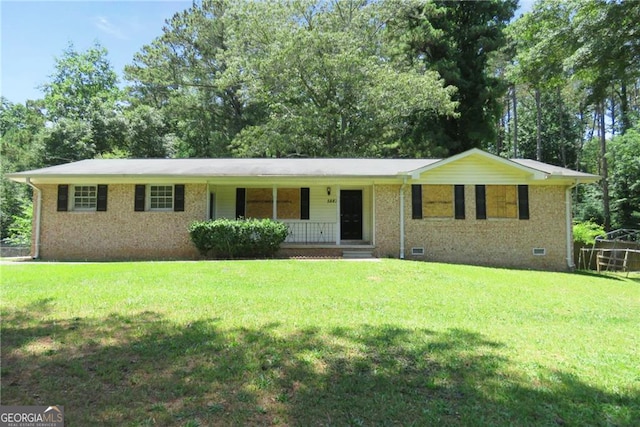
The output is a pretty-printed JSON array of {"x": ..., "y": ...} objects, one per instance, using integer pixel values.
[{"x": 331, "y": 201}]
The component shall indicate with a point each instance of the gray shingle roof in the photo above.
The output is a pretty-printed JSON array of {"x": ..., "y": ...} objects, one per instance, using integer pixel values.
[
  {"x": 210, "y": 168},
  {"x": 231, "y": 167}
]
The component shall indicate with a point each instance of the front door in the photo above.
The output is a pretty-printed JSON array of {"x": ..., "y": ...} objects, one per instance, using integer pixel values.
[{"x": 350, "y": 214}]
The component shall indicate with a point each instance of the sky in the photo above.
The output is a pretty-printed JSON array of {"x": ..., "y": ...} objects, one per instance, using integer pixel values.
[{"x": 34, "y": 33}]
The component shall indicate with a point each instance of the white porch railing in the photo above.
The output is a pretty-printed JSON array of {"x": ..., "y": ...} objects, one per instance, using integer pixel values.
[{"x": 306, "y": 232}]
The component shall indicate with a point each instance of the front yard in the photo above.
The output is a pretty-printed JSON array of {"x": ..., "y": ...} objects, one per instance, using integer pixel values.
[{"x": 287, "y": 342}]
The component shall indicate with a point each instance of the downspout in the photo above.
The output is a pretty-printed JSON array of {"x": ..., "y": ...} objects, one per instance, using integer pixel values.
[
  {"x": 402, "y": 187},
  {"x": 570, "y": 264},
  {"x": 38, "y": 209}
]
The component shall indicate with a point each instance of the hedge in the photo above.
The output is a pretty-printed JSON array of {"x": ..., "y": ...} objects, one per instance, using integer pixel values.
[{"x": 244, "y": 238}]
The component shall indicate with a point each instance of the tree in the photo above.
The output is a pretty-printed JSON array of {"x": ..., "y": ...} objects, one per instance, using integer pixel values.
[
  {"x": 553, "y": 124},
  {"x": 624, "y": 157},
  {"x": 80, "y": 81},
  {"x": 147, "y": 134},
  {"x": 330, "y": 85},
  {"x": 82, "y": 104},
  {"x": 19, "y": 150},
  {"x": 456, "y": 39},
  {"x": 586, "y": 47},
  {"x": 308, "y": 78},
  {"x": 179, "y": 74}
]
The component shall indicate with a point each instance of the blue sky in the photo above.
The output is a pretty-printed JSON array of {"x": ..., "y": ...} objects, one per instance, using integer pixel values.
[{"x": 33, "y": 33}]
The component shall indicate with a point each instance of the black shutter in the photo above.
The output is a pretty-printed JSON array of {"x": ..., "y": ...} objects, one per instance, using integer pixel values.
[
  {"x": 139, "y": 198},
  {"x": 481, "y": 202},
  {"x": 459, "y": 201},
  {"x": 101, "y": 205},
  {"x": 416, "y": 201},
  {"x": 304, "y": 203},
  {"x": 523, "y": 201},
  {"x": 240, "y": 201},
  {"x": 63, "y": 197},
  {"x": 178, "y": 198}
]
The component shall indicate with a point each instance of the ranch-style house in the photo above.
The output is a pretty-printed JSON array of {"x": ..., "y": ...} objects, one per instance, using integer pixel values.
[{"x": 473, "y": 208}]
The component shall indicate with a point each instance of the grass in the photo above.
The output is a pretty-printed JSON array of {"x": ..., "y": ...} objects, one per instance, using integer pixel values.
[{"x": 320, "y": 343}]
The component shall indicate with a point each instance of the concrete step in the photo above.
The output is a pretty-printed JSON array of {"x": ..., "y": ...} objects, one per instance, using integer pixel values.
[{"x": 357, "y": 254}]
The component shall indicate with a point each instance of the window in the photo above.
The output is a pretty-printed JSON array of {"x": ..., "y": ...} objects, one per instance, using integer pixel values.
[
  {"x": 502, "y": 201},
  {"x": 288, "y": 203},
  {"x": 437, "y": 201},
  {"x": 292, "y": 203},
  {"x": 160, "y": 197},
  {"x": 85, "y": 197},
  {"x": 259, "y": 203}
]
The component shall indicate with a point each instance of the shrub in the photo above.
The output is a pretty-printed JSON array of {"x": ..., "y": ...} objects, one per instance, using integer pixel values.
[
  {"x": 586, "y": 232},
  {"x": 246, "y": 238}
]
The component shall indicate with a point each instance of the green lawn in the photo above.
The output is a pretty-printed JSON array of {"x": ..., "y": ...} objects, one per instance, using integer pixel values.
[{"x": 288, "y": 342}]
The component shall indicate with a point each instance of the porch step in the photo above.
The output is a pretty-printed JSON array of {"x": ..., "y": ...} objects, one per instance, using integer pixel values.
[{"x": 357, "y": 254}]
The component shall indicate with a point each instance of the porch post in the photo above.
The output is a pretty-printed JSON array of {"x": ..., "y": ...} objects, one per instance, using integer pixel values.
[
  {"x": 338, "y": 219},
  {"x": 274, "y": 202}
]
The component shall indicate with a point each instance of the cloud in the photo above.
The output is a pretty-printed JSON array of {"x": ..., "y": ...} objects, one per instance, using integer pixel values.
[{"x": 106, "y": 26}]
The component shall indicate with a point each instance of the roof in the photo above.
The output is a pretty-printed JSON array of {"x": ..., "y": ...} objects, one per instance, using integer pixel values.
[
  {"x": 291, "y": 168},
  {"x": 231, "y": 167}
]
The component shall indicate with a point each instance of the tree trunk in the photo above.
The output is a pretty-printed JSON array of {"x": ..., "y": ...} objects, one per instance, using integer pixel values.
[
  {"x": 613, "y": 110},
  {"x": 538, "y": 126},
  {"x": 604, "y": 169},
  {"x": 515, "y": 121},
  {"x": 563, "y": 143},
  {"x": 624, "y": 108}
]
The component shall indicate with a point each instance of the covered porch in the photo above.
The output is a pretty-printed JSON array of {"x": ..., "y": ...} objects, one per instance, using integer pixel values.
[{"x": 327, "y": 215}]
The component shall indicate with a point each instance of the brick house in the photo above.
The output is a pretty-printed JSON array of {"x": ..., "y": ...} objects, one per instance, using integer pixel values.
[{"x": 473, "y": 208}]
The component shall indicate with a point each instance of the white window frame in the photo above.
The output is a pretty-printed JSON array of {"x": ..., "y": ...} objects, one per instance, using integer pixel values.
[
  {"x": 88, "y": 198},
  {"x": 166, "y": 207}
]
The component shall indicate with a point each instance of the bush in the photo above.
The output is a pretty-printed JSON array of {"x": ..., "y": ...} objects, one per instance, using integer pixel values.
[
  {"x": 586, "y": 232},
  {"x": 247, "y": 238}
]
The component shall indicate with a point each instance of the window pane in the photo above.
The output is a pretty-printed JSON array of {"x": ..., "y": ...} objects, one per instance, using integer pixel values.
[
  {"x": 161, "y": 197},
  {"x": 85, "y": 197}
]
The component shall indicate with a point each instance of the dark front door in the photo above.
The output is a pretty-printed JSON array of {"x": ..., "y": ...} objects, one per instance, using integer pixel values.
[{"x": 350, "y": 214}]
